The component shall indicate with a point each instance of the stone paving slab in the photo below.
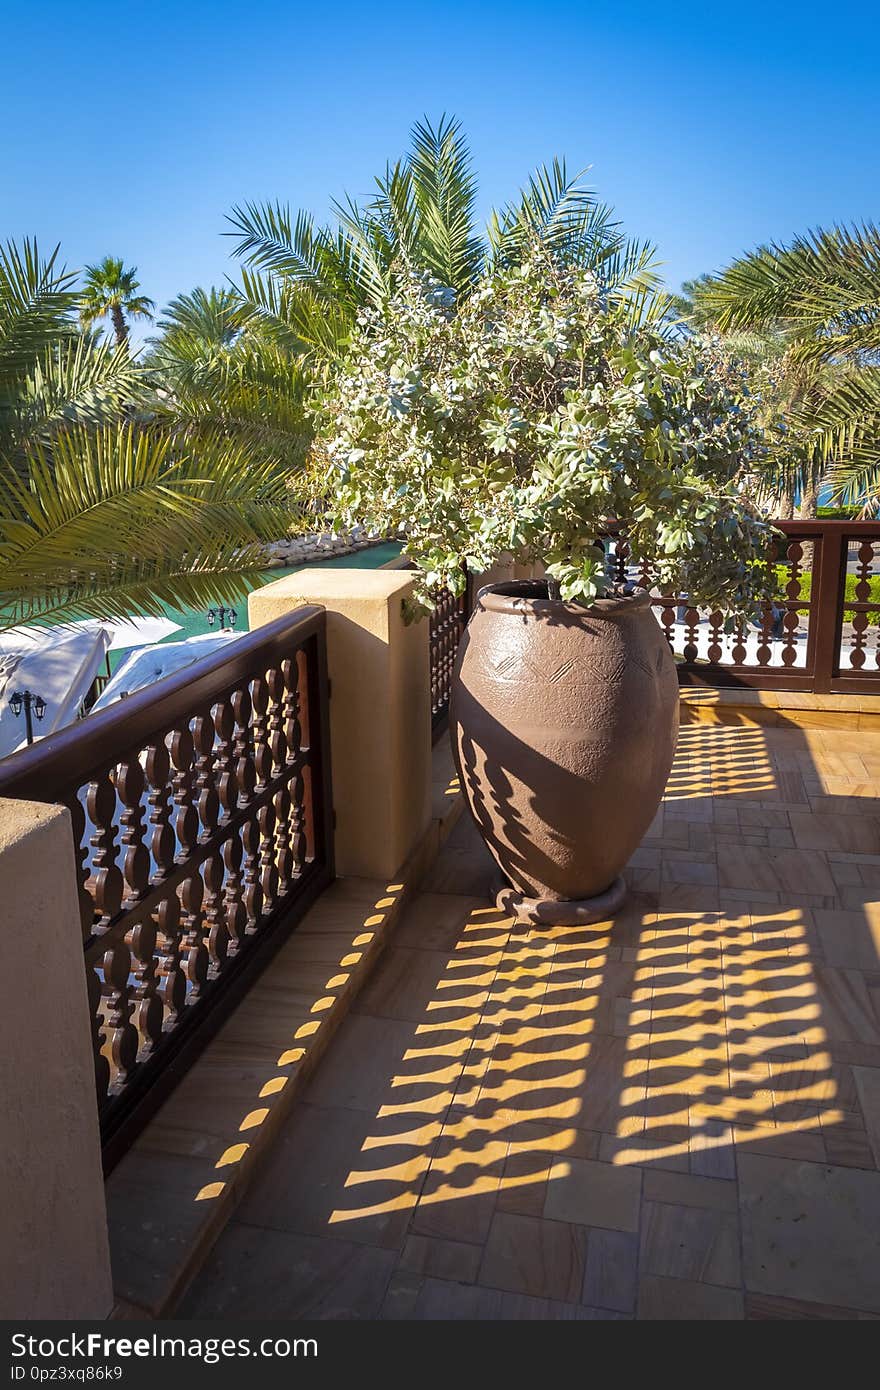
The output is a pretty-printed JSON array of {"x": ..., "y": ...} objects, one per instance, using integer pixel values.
[{"x": 672, "y": 1114}]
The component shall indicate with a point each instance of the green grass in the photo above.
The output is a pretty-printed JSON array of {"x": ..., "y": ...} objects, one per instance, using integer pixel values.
[{"x": 783, "y": 574}]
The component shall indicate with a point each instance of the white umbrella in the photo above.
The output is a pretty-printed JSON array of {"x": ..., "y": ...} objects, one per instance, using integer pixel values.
[
  {"x": 57, "y": 666},
  {"x": 150, "y": 664}
]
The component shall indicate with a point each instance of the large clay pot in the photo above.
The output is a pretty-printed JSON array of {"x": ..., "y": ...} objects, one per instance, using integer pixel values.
[{"x": 563, "y": 721}]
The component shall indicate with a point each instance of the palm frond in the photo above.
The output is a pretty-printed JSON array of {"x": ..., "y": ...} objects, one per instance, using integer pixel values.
[
  {"x": 367, "y": 251},
  {"x": 37, "y": 303},
  {"x": 292, "y": 317},
  {"x": 72, "y": 526},
  {"x": 825, "y": 287},
  {"x": 847, "y": 427},
  {"x": 444, "y": 193},
  {"x": 77, "y": 380},
  {"x": 558, "y": 211}
]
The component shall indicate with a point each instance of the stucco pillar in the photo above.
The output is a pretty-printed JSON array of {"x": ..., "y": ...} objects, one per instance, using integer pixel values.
[
  {"x": 54, "y": 1257},
  {"x": 380, "y": 709}
]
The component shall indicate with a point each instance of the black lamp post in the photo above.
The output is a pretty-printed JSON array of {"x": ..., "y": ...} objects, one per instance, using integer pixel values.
[
  {"x": 33, "y": 705},
  {"x": 225, "y": 616}
]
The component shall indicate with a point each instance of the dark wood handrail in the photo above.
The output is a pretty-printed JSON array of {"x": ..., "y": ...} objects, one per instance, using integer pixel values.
[
  {"x": 825, "y": 626},
  {"x": 73, "y": 754},
  {"x": 202, "y": 825}
]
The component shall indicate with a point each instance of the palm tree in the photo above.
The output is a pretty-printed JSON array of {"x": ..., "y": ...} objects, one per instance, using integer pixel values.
[
  {"x": 216, "y": 367},
  {"x": 109, "y": 505},
  {"x": 306, "y": 284},
  {"x": 794, "y": 465},
  {"x": 824, "y": 290},
  {"x": 110, "y": 292}
]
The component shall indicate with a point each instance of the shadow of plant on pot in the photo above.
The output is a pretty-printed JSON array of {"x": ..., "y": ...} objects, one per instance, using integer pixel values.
[{"x": 564, "y": 723}]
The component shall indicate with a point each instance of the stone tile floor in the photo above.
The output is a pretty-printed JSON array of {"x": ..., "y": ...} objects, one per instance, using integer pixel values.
[{"x": 674, "y": 1114}]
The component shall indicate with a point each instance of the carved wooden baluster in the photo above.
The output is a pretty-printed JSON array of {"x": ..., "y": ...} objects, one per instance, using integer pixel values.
[
  {"x": 873, "y": 620},
  {"x": 262, "y": 751},
  {"x": 452, "y": 632},
  {"x": 862, "y": 594},
  {"x": 449, "y": 645},
  {"x": 106, "y": 882},
  {"x": 764, "y": 655},
  {"x": 130, "y": 786},
  {"x": 252, "y": 873},
  {"x": 281, "y": 800},
  {"x": 738, "y": 651},
  {"x": 209, "y": 815},
  {"x": 236, "y": 912},
  {"x": 87, "y": 923},
  {"x": 141, "y": 938},
  {"x": 207, "y": 799},
  {"x": 158, "y": 770},
  {"x": 186, "y": 826},
  {"x": 171, "y": 984},
  {"x": 81, "y": 852},
  {"x": 691, "y": 621},
  {"x": 261, "y": 892},
  {"x": 435, "y": 648},
  {"x": 246, "y": 776},
  {"x": 432, "y": 657},
  {"x": 290, "y": 706},
  {"x": 765, "y": 652},
  {"x": 716, "y": 625},
  {"x": 245, "y": 769},
  {"x": 148, "y": 1016},
  {"x": 303, "y": 657},
  {"x": 667, "y": 617},
  {"x": 186, "y": 821},
  {"x": 227, "y": 928},
  {"x": 290, "y": 670},
  {"x": 227, "y": 784},
  {"x": 439, "y": 693},
  {"x": 215, "y": 914},
  {"x": 791, "y": 621},
  {"x": 268, "y": 865},
  {"x": 193, "y": 949},
  {"x": 123, "y": 1035},
  {"x": 243, "y": 843},
  {"x": 102, "y": 1066}
]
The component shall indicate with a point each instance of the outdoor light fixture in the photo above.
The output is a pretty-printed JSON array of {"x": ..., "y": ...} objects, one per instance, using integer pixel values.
[
  {"x": 33, "y": 705},
  {"x": 227, "y": 617}
]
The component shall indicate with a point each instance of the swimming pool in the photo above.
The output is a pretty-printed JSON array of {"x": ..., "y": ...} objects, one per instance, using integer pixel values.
[{"x": 193, "y": 622}]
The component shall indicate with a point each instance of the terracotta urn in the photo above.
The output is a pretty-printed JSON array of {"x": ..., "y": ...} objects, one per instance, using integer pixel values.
[{"x": 564, "y": 721}]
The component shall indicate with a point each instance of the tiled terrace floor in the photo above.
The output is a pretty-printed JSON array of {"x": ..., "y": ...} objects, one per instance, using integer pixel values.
[{"x": 675, "y": 1114}]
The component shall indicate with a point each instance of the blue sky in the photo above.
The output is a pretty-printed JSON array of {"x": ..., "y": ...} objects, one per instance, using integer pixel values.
[{"x": 132, "y": 129}]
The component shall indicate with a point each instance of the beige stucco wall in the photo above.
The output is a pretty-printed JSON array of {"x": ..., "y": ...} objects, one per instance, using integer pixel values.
[
  {"x": 54, "y": 1258},
  {"x": 505, "y": 570},
  {"x": 380, "y": 708}
]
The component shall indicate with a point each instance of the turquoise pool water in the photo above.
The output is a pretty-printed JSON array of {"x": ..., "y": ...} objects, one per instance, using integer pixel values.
[{"x": 193, "y": 622}]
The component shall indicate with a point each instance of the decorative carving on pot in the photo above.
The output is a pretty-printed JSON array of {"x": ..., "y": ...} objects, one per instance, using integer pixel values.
[{"x": 564, "y": 723}]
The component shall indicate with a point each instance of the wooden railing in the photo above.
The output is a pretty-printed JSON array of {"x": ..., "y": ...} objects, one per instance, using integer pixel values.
[
  {"x": 216, "y": 782},
  {"x": 822, "y": 633},
  {"x": 446, "y": 625}
]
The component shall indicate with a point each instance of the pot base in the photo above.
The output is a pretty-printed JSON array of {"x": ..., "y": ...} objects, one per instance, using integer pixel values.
[{"x": 550, "y": 912}]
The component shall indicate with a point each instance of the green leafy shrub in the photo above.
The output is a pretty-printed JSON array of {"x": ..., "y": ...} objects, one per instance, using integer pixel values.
[{"x": 527, "y": 418}]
